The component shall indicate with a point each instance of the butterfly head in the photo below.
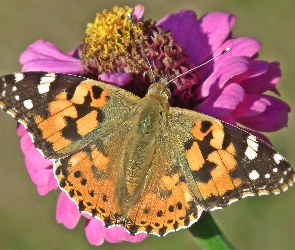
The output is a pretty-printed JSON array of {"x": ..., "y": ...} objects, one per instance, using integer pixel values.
[{"x": 160, "y": 89}]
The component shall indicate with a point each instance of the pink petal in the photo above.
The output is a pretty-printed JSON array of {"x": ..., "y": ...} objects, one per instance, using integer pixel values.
[
  {"x": 45, "y": 56},
  {"x": 239, "y": 47},
  {"x": 251, "y": 106},
  {"x": 36, "y": 159},
  {"x": 118, "y": 234},
  {"x": 273, "y": 118},
  {"x": 230, "y": 68},
  {"x": 229, "y": 119},
  {"x": 95, "y": 232},
  {"x": 116, "y": 79},
  {"x": 256, "y": 68},
  {"x": 214, "y": 28},
  {"x": 264, "y": 82},
  {"x": 223, "y": 102},
  {"x": 50, "y": 186},
  {"x": 43, "y": 179},
  {"x": 137, "y": 14},
  {"x": 181, "y": 25},
  {"x": 67, "y": 212},
  {"x": 21, "y": 130}
]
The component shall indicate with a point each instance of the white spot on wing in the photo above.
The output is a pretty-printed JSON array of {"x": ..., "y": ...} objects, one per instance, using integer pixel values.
[
  {"x": 45, "y": 81},
  {"x": 267, "y": 176},
  {"x": 43, "y": 88},
  {"x": 48, "y": 78},
  {"x": 28, "y": 104},
  {"x": 14, "y": 88},
  {"x": 3, "y": 93},
  {"x": 251, "y": 151},
  {"x": 16, "y": 97},
  {"x": 251, "y": 140},
  {"x": 254, "y": 175},
  {"x": 278, "y": 158},
  {"x": 18, "y": 77},
  {"x": 275, "y": 170}
]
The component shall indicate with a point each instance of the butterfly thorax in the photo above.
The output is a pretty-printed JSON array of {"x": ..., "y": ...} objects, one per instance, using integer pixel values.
[{"x": 145, "y": 127}]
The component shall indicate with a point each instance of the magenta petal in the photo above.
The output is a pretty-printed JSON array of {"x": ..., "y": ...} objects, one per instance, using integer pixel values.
[
  {"x": 251, "y": 106},
  {"x": 264, "y": 82},
  {"x": 229, "y": 119},
  {"x": 43, "y": 190},
  {"x": 42, "y": 178},
  {"x": 116, "y": 79},
  {"x": 230, "y": 68},
  {"x": 118, "y": 234},
  {"x": 137, "y": 14},
  {"x": 214, "y": 28},
  {"x": 222, "y": 103},
  {"x": 67, "y": 212},
  {"x": 137, "y": 238},
  {"x": 20, "y": 129},
  {"x": 257, "y": 68},
  {"x": 273, "y": 118},
  {"x": 95, "y": 232},
  {"x": 45, "y": 56},
  {"x": 33, "y": 154},
  {"x": 181, "y": 25},
  {"x": 239, "y": 47},
  {"x": 115, "y": 234}
]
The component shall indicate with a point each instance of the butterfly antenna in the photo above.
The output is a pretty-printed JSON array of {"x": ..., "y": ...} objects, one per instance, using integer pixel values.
[
  {"x": 201, "y": 65},
  {"x": 142, "y": 50}
]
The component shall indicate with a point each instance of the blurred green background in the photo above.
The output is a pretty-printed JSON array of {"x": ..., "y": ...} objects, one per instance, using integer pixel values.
[{"x": 27, "y": 220}]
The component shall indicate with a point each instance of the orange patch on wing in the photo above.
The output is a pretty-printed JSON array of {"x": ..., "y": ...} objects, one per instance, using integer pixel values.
[
  {"x": 196, "y": 131},
  {"x": 56, "y": 123},
  {"x": 207, "y": 189},
  {"x": 151, "y": 202},
  {"x": 82, "y": 91},
  {"x": 227, "y": 159},
  {"x": 58, "y": 106},
  {"x": 108, "y": 206},
  {"x": 61, "y": 96},
  {"x": 101, "y": 101},
  {"x": 38, "y": 119},
  {"x": 87, "y": 123},
  {"x": 218, "y": 137},
  {"x": 99, "y": 160},
  {"x": 77, "y": 158},
  {"x": 231, "y": 149},
  {"x": 217, "y": 133},
  {"x": 168, "y": 182},
  {"x": 58, "y": 141},
  {"x": 220, "y": 174},
  {"x": 194, "y": 157}
]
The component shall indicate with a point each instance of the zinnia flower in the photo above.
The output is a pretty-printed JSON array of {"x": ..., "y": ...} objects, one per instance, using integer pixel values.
[{"x": 231, "y": 88}]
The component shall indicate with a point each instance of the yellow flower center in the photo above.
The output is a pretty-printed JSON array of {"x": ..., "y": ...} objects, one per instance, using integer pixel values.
[{"x": 109, "y": 32}]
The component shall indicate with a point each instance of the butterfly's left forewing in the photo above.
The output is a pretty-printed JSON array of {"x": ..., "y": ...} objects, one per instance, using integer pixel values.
[
  {"x": 225, "y": 163},
  {"x": 63, "y": 113}
]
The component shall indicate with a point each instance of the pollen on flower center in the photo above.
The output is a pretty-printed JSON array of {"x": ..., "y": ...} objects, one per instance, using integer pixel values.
[{"x": 109, "y": 31}]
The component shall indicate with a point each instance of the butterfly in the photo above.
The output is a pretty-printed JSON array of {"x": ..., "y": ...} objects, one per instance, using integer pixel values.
[{"x": 137, "y": 162}]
